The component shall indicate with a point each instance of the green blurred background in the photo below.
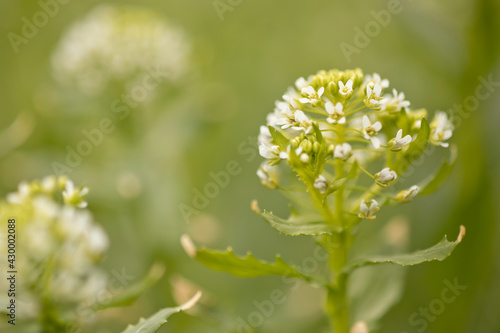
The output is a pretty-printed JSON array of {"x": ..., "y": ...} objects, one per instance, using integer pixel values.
[{"x": 237, "y": 67}]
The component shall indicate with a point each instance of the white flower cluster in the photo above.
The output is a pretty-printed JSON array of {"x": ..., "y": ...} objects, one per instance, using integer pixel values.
[
  {"x": 118, "y": 43},
  {"x": 348, "y": 117},
  {"x": 58, "y": 247}
]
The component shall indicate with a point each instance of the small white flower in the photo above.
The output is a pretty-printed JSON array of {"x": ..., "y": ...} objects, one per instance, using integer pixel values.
[
  {"x": 441, "y": 129},
  {"x": 342, "y": 151},
  {"x": 385, "y": 176},
  {"x": 264, "y": 135},
  {"x": 369, "y": 130},
  {"x": 301, "y": 83},
  {"x": 97, "y": 241},
  {"x": 396, "y": 102},
  {"x": 291, "y": 96},
  {"x": 74, "y": 196},
  {"x": 267, "y": 151},
  {"x": 347, "y": 88},
  {"x": 336, "y": 113},
  {"x": 321, "y": 184},
  {"x": 311, "y": 95},
  {"x": 375, "y": 78},
  {"x": 368, "y": 209},
  {"x": 23, "y": 193},
  {"x": 373, "y": 98},
  {"x": 397, "y": 143},
  {"x": 302, "y": 119},
  {"x": 408, "y": 195}
]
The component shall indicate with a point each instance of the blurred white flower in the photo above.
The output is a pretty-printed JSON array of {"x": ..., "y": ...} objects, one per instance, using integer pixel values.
[
  {"x": 396, "y": 102},
  {"x": 61, "y": 242},
  {"x": 441, "y": 129},
  {"x": 342, "y": 151},
  {"x": 269, "y": 175},
  {"x": 368, "y": 209},
  {"x": 118, "y": 43}
]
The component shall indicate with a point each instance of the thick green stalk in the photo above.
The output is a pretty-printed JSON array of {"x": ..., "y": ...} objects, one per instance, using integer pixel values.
[
  {"x": 338, "y": 306},
  {"x": 339, "y": 243}
]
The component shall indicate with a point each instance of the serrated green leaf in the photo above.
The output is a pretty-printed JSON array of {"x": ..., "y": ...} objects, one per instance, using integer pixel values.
[
  {"x": 439, "y": 252},
  {"x": 278, "y": 137},
  {"x": 156, "y": 321},
  {"x": 432, "y": 183},
  {"x": 132, "y": 293},
  {"x": 415, "y": 150},
  {"x": 299, "y": 225},
  {"x": 244, "y": 267}
]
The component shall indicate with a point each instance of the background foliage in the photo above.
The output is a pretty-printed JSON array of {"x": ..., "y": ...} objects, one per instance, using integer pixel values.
[{"x": 433, "y": 51}]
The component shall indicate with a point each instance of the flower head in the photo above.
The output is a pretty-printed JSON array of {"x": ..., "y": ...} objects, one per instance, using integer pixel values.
[
  {"x": 325, "y": 119},
  {"x": 117, "y": 44}
]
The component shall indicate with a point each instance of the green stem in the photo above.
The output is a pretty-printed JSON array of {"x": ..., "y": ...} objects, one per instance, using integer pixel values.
[
  {"x": 338, "y": 306},
  {"x": 339, "y": 244}
]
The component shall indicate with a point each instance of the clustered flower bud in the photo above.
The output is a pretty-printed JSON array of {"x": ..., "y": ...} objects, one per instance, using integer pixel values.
[{"x": 335, "y": 124}]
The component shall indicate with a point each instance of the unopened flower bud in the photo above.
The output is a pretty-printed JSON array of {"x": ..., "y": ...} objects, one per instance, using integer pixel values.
[{"x": 385, "y": 176}]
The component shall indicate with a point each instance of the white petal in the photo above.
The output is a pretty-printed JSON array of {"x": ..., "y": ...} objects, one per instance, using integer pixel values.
[
  {"x": 399, "y": 134},
  {"x": 329, "y": 107},
  {"x": 300, "y": 116},
  {"x": 366, "y": 122},
  {"x": 321, "y": 91}
]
